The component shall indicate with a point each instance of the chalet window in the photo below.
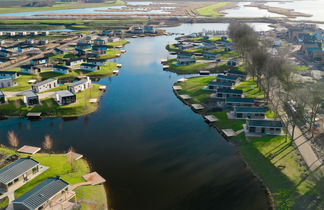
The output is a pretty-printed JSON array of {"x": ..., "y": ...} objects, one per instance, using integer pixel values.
[
  {"x": 16, "y": 180},
  {"x": 9, "y": 184}
]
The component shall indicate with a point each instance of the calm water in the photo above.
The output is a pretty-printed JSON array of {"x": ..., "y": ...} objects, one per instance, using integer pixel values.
[{"x": 154, "y": 151}]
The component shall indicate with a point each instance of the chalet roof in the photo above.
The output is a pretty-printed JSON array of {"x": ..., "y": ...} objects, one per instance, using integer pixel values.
[
  {"x": 80, "y": 82},
  {"x": 265, "y": 123},
  {"x": 8, "y": 72},
  {"x": 237, "y": 72},
  {"x": 217, "y": 83},
  {"x": 30, "y": 93},
  {"x": 61, "y": 67},
  {"x": 226, "y": 90},
  {"x": 251, "y": 109},
  {"x": 240, "y": 100},
  {"x": 88, "y": 64},
  {"x": 40, "y": 194},
  {"x": 224, "y": 77},
  {"x": 44, "y": 82},
  {"x": 16, "y": 169},
  {"x": 64, "y": 93}
]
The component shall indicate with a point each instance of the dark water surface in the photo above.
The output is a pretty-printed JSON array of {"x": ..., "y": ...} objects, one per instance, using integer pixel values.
[{"x": 154, "y": 151}]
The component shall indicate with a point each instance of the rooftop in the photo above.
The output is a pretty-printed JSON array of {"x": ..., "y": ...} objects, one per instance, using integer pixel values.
[
  {"x": 45, "y": 82},
  {"x": 12, "y": 171},
  {"x": 265, "y": 123},
  {"x": 226, "y": 90},
  {"x": 215, "y": 83},
  {"x": 40, "y": 194},
  {"x": 29, "y": 149},
  {"x": 224, "y": 77},
  {"x": 64, "y": 93},
  {"x": 251, "y": 109},
  {"x": 240, "y": 100},
  {"x": 82, "y": 81}
]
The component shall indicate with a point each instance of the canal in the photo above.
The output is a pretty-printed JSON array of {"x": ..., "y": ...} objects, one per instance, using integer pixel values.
[{"x": 154, "y": 151}]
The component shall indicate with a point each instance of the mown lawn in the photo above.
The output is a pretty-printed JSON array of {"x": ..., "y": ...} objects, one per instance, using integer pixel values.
[
  {"x": 22, "y": 83},
  {"x": 111, "y": 53},
  {"x": 194, "y": 88},
  {"x": 225, "y": 123},
  {"x": 211, "y": 10},
  {"x": 186, "y": 69},
  {"x": 250, "y": 89},
  {"x": 105, "y": 70},
  {"x": 117, "y": 43}
]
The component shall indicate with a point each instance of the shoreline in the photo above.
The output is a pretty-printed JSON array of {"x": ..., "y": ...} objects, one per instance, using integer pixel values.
[{"x": 270, "y": 199}]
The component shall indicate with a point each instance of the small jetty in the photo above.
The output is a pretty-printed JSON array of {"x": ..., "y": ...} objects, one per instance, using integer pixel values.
[
  {"x": 103, "y": 87},
  {"x": 118, "y": 55},
  {"x": 34, "y": 115},
  {"x": 185, "y": 97},
  {"x": 29, "y": 149},
  {"x": 94, "y": 178},
  {"x": 204, "y": 72},
  {"x": 163, "y": 61},
  {"x": 93, "y": 100},
  {"x": 177, "y": 88},
  {"x": 116, "y": 72},
  {"x": 197, "y": 106},
  {"x": 119, "y": 65},
  {"x": 182, "y": 80},
  {"x": 32, "y": 81},
  {"x": 123, "y": 51},
  {"x": 73, "y": 155},
  {"x": 210, "y": 118}
]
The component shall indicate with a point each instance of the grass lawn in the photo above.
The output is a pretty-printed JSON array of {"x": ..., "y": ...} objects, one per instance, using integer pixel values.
[
  {"x": 58, "y": 57},
  {"x": 250, "y": 89},
  {"x": 277, "y": 163},
  {"x": 225, "y": 123},
  {"x": 62, "y": 6},
  {"x": 117, "y": 43},
  {"x": 194, "y": 88},
  {"x": 111, "y": 53},
  {"x": 171, "y": 47},
  {"x": 105, "y": 70},
  {"x": 16, "y": 107},
  {"x": 22, "y": 83},
  {"x": 212, "y": 10},
  {"x": 186, "y": 69}
]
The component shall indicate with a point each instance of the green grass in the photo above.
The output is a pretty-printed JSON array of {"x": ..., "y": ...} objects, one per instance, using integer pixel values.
[
  {"x": 118, "y": 43},
  {"x": 4, "y": 202},
  {"x": 250, "y": 89},
  {"x": 194, "y": 88},
  {"x": 16, "y": 107},
  {"x": 171, "y": 47},
  {"x": 300, "y": 68},
  {"x": 105, "y": 70},
  {"x": 91, "y": 196},
  {"x": 111, "y": 53},
  {"x": 276, "y": 162},
  {"x": 22, "y": 83},
  {"x": 186, "y": 69},
  {"x": 225, "y": 123},
  {"x": 212, "y": 10},
  {"x": 61, "y": 6}
]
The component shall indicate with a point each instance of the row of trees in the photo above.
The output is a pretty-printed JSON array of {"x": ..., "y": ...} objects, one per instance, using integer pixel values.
[{"x": 274, "y": 76}]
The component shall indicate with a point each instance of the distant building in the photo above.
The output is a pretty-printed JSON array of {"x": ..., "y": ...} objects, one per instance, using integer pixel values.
[
  {"x": 43, "y": 41},
  {"x": 17, "y": 173},
  {"x": 61, "y": 69},
  {"x": 73, "y": 61},
  {"x": 185, "y": 59},
  {"x": 30, "y": 69},
  {"x": 53, "y": 193},
  {"x": 59, "y": 51},
  {"x": 264, "y": 127},
  {"x": 89, "y": 67},
  {"x": 98, "y": 62},
  {"x": 44, "y": 85},
  {"x": 138, "y": 30},
  {"x": 211, "y": 56},
  {"x": 6, "y": 82},
  {"x": 80, "y": 85},
  {"x": 99, "y": 41},
  {"x": 149, "y": 29},
  {"x": 5, "y": 52},
  {"x": 65, "y": 97},
  {"x": 39, "y": 61},
  {"x": 8, "y": 74},
  {"x": 30, "y": 98}
]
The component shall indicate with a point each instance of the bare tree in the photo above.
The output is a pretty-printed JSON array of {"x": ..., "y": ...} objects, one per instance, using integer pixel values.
[
  {"x": 13, "y": 139},
  {"x": 48, "y": 143}
]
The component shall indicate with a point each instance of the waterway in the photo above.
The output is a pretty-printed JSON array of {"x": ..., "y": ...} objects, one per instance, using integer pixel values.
[{"x": 154, "y": 151}]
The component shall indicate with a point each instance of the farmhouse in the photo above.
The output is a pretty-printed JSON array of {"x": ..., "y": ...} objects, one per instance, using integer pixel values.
[
  {"x": 53, "y": 193},
  {"x": 44, "y": 85},
  {"x": 80, "y": 85},
  {"x": 2, "y": 97},
  {"x": 6, "y": 82},
  {"x": 249, "y": 112},
  {"x": 224, "y": 93},
  {"x": 89, "y": 67},
  {"x": 30, "y": 98},
  {"x": 245, "y": 102},
  {"x": 215, "y": 85},
  {"x": 264, "y": 127},
  {"x": 30, "y": 69},
  {"x": 17, "y": 173},
  {"x": 225, "y": 78},
  {"x": 185, "y": 59},
  {"x": 65, "y": 97},
  {"x": 61, "y": 69},
  {"x": 8, "y": 74}
]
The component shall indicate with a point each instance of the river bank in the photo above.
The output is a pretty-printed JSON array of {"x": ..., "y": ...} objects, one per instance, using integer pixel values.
[
  {"x": 273, "y": 159},
  {"x": 70, "y": 170}
]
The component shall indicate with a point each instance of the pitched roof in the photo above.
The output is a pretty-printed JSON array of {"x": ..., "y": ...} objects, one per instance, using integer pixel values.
[
  {"x": 240, "y": 100},
  {"x": 216, "y": 83},
  {"x": 265, "y": 123},
  {"x": 44, "y": 82},
  {"x": 80, "y": 82},
  {"x": 30, "y": 93},
  {"x": 61, "y": 67},
  {"x": 233, "y": 71},
  {"x": 251, "y": 109},
  {"x": 224, "y": 77},
  {"x": 226, "y": 90},
  {"x": 8, "y": 72},
  {"x": 88, "y": 64},
  {"x": 40, "y": 194},
  {"x": 64, "y": 93},
  {"x": 14, "y": 170}
]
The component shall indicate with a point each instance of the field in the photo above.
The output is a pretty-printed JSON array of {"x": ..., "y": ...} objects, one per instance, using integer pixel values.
[{"x": 213, "y": 10}]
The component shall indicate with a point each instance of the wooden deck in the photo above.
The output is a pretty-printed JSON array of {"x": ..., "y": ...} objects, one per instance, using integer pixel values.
[
  {"x": 94, "y": 178},
  {"x": 34, "y": 114},
  {"x": 211, "y": 118},
  {"x": 177, "y": 87},
  {"x": 185, "y": 97},
  {"x": 29, "y": 149},
  {"x": 197, "y": 106}
]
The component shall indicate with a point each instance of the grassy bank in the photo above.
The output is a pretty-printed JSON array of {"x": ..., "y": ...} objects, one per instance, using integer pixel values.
[
  {"x": 16, "y": 107},
  {"x": 213, "y": 10},
  {"x": 273, "y": 158},
  {"x": 186, "y": 69},
  {"x": 69, "y": 171}
]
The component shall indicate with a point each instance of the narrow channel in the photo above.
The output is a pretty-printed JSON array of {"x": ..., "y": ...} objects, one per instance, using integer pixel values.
[{"x": 154, "y": 151}]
